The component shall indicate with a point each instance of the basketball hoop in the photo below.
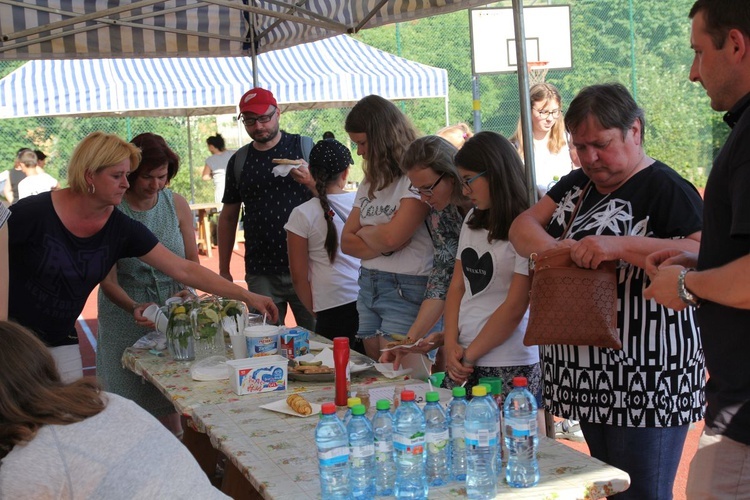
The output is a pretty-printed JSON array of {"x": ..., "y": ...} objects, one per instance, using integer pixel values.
[{"x": 537, "y": 72}]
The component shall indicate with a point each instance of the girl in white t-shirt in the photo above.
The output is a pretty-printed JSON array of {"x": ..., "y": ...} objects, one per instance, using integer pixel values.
[
  {"x": 386, "y": 228},
  {"x": 324, "y": 278},
  {"x": 551, "y": 155},
  {"x": 486, "y": 308}
]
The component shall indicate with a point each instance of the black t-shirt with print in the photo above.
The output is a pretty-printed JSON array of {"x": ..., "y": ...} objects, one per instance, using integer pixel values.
[
  {"x": 657, "y": 379},
  {"x": 52, "y": 271},
  {"x": 268, "y": 202}
]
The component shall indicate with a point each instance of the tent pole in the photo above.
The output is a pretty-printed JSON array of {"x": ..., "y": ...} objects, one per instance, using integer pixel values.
[
  {"x": 447, "y": 112},
  {"x": 253, "y": 50},
  {"x": 525, "y": 100},
  {"x": 190, "y": 160}
]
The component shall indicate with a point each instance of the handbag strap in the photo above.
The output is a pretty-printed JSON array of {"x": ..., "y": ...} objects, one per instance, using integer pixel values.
[{"x": 575, "y": 210}]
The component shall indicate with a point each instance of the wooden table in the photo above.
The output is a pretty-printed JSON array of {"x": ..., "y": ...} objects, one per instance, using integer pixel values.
[
  {"x": 276, "y": 454},
  {"x": 204, "y": 212}
]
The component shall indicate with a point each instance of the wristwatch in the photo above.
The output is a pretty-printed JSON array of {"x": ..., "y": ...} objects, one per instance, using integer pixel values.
[{"x": 686, "y": 295}]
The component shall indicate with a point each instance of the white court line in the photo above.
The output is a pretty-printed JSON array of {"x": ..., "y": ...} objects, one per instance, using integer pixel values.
[{"x": 88, "y": 332}]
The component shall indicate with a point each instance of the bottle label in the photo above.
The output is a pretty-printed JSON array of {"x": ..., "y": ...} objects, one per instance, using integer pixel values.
[
  {"x": 413, "y": 445},
  {"x": 363, "y": 451},
  {"x": 519, "y": 427},
  {"x": 383, "y": 447},
  {"x": 437, "y": 437},
  {"x": 481, "y": 438},
  {"x": 334, "y": 456},
  {"x": 458, "y": 432}
]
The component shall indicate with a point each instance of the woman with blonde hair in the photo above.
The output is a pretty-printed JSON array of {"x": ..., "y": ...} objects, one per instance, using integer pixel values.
[
  {"x": 61, "y": 440},
  {"x": 63, "y": 243},
  {"x": 386, "y": 228},
  {"x": 551, "y": 156},
  {"x": 456, "y": 134}
]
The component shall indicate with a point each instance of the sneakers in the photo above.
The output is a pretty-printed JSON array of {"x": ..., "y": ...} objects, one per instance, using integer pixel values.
[{"x": 568, "y": 429}]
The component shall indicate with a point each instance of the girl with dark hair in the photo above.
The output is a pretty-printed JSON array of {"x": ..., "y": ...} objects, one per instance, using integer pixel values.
[
  {"x": 132, "y": 282},
  {"x": 216, "y": 165},
  {"x": 60, "y": 440},
  {"x": 386, "y": 228},
  {"x": 324, "y": 278},
  {"x": 487, "y": 305}
]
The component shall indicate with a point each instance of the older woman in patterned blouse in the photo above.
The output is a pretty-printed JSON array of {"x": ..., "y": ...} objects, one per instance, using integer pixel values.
[{"x": 634, "y": 405}]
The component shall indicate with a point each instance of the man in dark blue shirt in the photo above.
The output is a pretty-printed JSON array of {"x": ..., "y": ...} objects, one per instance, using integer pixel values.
[{"x": 268, "y": 201}]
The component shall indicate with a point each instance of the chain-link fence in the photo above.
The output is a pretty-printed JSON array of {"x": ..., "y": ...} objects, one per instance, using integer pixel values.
[{"x": 640, "y": 43}]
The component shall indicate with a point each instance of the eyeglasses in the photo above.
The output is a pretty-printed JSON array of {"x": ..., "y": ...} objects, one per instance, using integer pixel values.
[
  {"x": 260, "y": 119},
  {"x": 427, "y": 192},
  {"x": 555, "y": 113},
  {"x": 466, "y": 183}
]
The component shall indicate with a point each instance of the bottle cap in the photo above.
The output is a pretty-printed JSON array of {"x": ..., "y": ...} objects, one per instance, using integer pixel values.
[
  {"x": 328, "y": 409},
  {"x": 340, "y": 342},
  {"x": 353, "y": 401},
  {"x": 479, "y": 390},
  {"x": 383, "y": 404},
  {"x": 520, "y": 382},
  {"x": 358, "y": 409},
  {"x": 459, "y": 392},
  {"x": 495, "y": 384},
  {"x": 432, "y": 397},
  {"x": 407, "y": 395}
]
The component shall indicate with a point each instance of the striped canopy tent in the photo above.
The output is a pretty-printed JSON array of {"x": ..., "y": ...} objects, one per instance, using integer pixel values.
[
  {"x": 64, "y": 29},
  {"x": 328, "y": 73}
]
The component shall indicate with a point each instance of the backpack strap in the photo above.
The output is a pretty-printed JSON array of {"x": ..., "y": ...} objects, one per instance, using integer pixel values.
[
  {"x": 306, "y": 145},
  {"x": 239, "y": 162}
]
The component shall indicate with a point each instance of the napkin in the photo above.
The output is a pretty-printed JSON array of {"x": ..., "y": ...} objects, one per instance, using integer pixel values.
[
  {"x": 283, "y": 170},
  {"x": 326, "y": 357},
  {"x": 417, "y": 366},
  {"x": 152, "y": 340}
]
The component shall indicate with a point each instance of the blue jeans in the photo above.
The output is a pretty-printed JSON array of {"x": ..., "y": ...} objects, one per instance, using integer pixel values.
[
  {"x": 388, "y": 302},
  {"x": 650, "y": 455}
]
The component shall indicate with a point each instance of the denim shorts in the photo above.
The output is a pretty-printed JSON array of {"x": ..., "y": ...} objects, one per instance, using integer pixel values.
[{"x": 388, "y": 302}]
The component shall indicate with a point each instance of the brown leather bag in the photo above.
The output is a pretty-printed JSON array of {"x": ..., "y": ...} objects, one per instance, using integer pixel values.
[{"x": 570, "y": 305}]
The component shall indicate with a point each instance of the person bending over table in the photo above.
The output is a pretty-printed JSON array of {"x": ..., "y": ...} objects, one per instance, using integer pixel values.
[
  {"x": 63, "y": 243},
  {"x": 74, "y": 440},
  {"x": 132, "y": 281}
]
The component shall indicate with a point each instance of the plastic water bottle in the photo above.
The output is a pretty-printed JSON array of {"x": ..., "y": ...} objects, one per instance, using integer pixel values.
[
  {"x": 521, "y": 436},
  {"x": 481, "y": 427},
  {"x": 385, "y": 467},
  {"x": 437, "y": 438},
  {"x": 456, "y": 417},
  {"x": 408, "y": 445},
  {"x": 350, "y": 402},
  {"x": 361, "y": 454},
  {"x": 496, "y": 391},
  {"x": 333, "y": 454}
]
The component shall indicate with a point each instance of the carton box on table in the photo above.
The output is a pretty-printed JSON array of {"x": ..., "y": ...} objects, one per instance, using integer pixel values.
[{"x": 258, "y": 374}]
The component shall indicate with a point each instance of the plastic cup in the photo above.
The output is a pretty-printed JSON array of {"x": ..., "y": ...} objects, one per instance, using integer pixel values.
[{"x": 239, "y": 346}]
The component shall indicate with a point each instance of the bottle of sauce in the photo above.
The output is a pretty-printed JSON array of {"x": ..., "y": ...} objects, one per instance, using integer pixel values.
[{"x": 341, "y": 369}]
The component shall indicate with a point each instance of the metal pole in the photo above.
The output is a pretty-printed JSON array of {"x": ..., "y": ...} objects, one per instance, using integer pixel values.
[
  {"x": 190, "y": 161},
  {"x": 632, "y": 51},
  {"x": 476, "y": 104},
  {"x": 525, "y": 100},
  {"x": 253, "y": 50}
]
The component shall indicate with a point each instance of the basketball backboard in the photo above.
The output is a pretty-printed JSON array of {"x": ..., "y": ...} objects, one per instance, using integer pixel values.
[{"x": 493, "y": 40}]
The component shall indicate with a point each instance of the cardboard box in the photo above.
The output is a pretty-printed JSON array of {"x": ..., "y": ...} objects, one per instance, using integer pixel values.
[
  {"x": 257, "y": 375},
  {"x": 295, "y": 343}
]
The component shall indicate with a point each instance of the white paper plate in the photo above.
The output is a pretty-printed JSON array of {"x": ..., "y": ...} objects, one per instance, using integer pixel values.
[{"x": 281, "y": 407}]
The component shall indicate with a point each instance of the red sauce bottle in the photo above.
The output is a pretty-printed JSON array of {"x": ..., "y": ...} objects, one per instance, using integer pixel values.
[{"x": 341, "y": 369}]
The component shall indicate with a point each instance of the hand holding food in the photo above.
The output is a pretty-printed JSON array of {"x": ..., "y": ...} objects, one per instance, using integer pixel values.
[{"x": 299, "y": 404}]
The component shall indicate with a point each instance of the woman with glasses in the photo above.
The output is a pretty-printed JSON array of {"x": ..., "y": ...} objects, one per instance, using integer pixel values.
[
  {"x": 488, "y": 298},
  {"x": 551, "y": 155},
  {"x": 386, "y": 228},
  {"x": 429, "y": 165}
]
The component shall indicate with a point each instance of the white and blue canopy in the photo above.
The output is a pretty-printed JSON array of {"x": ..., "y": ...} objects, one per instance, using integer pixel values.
[
  {"x": 328, "y": 73},
  {"x": 64, "y": 29}
]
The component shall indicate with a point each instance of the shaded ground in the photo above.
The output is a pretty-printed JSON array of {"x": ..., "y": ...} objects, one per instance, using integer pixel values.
[{"x": 87, "y": 329}]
